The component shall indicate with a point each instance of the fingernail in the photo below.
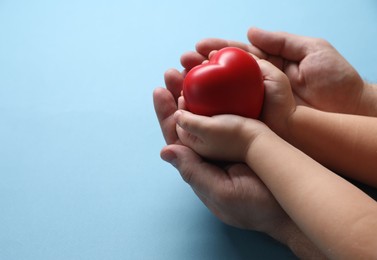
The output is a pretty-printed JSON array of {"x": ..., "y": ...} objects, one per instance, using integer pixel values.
[{"x": 169, "y": 157}]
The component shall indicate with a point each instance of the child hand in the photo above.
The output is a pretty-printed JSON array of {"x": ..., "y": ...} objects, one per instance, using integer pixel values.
[
  {"x": 228, "y": 137},
  {"x": 279, "y": 103},
  {"x": 222, "y": 137}
]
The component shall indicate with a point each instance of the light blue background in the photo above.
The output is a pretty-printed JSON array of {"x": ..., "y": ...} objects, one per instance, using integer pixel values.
[{"x": 80, "y": 173}]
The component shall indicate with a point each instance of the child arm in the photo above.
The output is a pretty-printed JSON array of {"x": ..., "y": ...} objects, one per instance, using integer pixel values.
[
  {"x": 345, "y": 143},
  {"x": 334, "y": 214},
  {"x": 339, "y": 218}
]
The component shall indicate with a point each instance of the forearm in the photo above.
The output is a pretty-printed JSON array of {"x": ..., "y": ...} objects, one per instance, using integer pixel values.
[
  {"x": 344, "y": 143},
  {"x": 316, "y": 199},
  {"x": 368, "y": 100},
  {"x": 290, "y": 235}
]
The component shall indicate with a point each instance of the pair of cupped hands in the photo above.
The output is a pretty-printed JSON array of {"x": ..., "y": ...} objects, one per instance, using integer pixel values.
[{"x": 296, "y": 70}]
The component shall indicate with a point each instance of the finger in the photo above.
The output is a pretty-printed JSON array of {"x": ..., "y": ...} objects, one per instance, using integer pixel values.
[
  {"x": 205, "y": 46},
  {"x": 277, "y": 61},
  {"x": 270, "y": 72},
  {"x": 193, "y": 124},
  {"x": 212, "y": 206},
  {"x": 192, "y": 59},
  {"x": 165, "y": 107},
  {"x": 288, "y": 46},
  {"x": 291, "y": 69},
  {"x": 181, "y": 103},
  {"x": 210, "y": 55},
  {"x": 203, "y": 177},
  {"x": 206, "y": 201},
  {"x": 184, "y": 73},
  {"x": 174, "y": 82}
]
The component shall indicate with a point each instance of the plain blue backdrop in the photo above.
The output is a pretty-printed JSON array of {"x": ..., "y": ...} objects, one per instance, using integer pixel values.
[{"x": 80, "y": 173}]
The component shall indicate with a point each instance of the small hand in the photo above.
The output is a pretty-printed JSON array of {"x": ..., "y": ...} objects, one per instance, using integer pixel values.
[
  {"x": 222, "y": 137},
  {"x": 279, "y": 103}
]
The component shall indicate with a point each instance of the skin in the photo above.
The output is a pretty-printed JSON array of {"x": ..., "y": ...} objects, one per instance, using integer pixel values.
[
  {"x": 342, "y": 142},
  {"x": 218, "y": 191},
  {"x": 231, "y": 191},
  {"x": 345, "y": 143},
  {"x": 320, "y": 77},
  {"x": 233, "y": 181},
  {"x": 291, "y": 175}
]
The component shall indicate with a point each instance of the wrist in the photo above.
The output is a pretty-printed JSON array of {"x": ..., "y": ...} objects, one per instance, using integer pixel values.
[
  {"x": 293, "y": 122},
  {"x": 256, "y": 138}
]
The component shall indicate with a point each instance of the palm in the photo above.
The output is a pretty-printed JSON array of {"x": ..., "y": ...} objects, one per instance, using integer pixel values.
[
  {"x": 244, "y": 192},
  {"x": 324, "y": 80}
]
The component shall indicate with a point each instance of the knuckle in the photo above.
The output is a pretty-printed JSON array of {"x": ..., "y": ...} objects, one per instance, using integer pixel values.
[{"x": 322, "y": 43}]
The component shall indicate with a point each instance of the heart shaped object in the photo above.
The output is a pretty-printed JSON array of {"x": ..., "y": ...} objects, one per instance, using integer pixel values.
[{"x": 230, "y": 83}]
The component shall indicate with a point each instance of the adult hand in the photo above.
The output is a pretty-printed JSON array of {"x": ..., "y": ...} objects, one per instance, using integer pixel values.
[
  {"x": 233, "y": 193},
  {"x": 320, "y": 77}
]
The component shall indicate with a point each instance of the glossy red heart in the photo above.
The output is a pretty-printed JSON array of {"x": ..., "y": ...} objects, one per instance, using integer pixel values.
[{"x": 230, "y": 83}]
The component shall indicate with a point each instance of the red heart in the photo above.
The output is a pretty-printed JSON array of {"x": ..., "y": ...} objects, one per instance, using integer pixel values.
[{"x": 230, "y": 83}]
